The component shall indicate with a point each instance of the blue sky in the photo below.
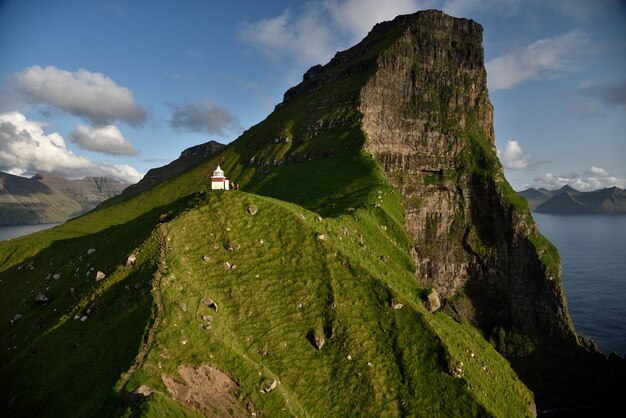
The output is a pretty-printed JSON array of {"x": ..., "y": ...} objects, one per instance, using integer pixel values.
[{"x": 115, "y": 88}]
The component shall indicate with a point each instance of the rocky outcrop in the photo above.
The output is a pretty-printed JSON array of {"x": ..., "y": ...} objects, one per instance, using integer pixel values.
[
  {"x": 188, "y": 158},
  {"x": 429, "y": 122}
]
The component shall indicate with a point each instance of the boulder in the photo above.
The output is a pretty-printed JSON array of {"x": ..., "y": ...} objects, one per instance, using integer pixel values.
[
  {"x": 252, "y": 210},
  {"x": 144, "y": 390},
  {"x": 225, "y": 265},
  {"x": 210, "y": 303},
  {"x": 318, "y": 342},
  {"x": 56, "y": 276},
  {"x": 183, "y": 307},
  {"x": 268, "y": 386},
  {"x": 91, "y": 251},
  {"x": 433, "y": 302},
  {"x": 41, "y": 298},
  {"x": 205, "y": 259},
  {"x": 130, "y": 261},
  {"x": 396, "y": 305},
  {"x": 100, "y": 275},
  {"x": 321, "y": 237}
]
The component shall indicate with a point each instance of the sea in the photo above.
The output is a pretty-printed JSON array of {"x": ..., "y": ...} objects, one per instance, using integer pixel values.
[
  {"x": 14, "y": 231},
  {"x": 593, "y": 261}
]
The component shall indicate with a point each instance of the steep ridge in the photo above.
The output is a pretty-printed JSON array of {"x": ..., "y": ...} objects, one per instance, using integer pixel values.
[
  {"x": 188, "y": 158},
  {"x": 314, "y": 305}
]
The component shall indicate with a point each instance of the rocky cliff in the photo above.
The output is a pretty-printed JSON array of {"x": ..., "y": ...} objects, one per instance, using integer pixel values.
[
  {"x": 188, "y": 158},
  {"x": 424, "y": 108},
  {"x": 46, "y": 198}
]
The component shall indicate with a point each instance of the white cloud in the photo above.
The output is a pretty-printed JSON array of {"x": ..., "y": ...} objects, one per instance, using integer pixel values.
[
  {"x": 513, "y": 157},
  {"x": 315, "y": 34},
  {"x": 594, "y": 179},
  {"x": 545, "y": 58},
  {"x": 464, "y": 8},
  {"x": 597, "y": 171},
  {"x": 106, "y": 139},
  {"x": 92, "y": 96},
  {"x": 25, "y": 150}
]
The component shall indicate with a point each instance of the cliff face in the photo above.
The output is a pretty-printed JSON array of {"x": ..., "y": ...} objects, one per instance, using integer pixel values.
[
  {"x": 423, "y": 105},
  {"x": 429, "y": 122},
  {"x": 46, "y": 198},
  {"x": 188, "y": 158}
]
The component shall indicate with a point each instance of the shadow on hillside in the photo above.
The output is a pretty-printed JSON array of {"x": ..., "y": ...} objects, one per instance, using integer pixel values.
[{"x": 74, "y": 365}]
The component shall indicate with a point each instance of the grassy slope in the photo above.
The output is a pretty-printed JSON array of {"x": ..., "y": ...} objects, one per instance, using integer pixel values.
[{"x": 410, "y": 350}]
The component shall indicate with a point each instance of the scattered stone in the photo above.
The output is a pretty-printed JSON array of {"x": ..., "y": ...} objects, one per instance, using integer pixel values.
[
  {"x": 318, "y": 342},
  {"x": 369, "y": 364},
  {"x": 17, "y": 317},
  {"x": 382, "y": 258},
  {"x": 84, "y": 318},
  {"x": 183, "y": 342},
  {"x": 252, "y": 210},
  {"x": 351, "y": 209},
  {"x": 48, "y": 277},
  {"x": 210, "y": 303},
  {"x": 225, "y": 265},
  {"x": 318, "y": 218},
  {"x": 207, "y": 318},
  {"x": 433, "y": 302},
  {"x": 396, "y": 305},
  {"x": 268, "y": 386},
  {"x": 144, "y": 390},
  {"x": 56, "y": 276},
  {"x": 76, "y": 317},
  {"x": 262, "y": 351},
  {"x": 72, "y": 290},
  {"x": 261, "y": 241},
  {"x": 377, "y": 205},
  {"x": 91, "y": 251},
  {"x": 100, "y": 275},
  {"x": 299, "y": 305},
  {"x": 321, "y": 237},
  {"x": 41, "y": 298},
  {"x": 349, "y": 357},
  {"x": 233, "y": 267},
  {"x": 182, "y": 307},
  {"x": 205, "y": 259},
  {"x": 130, "y": 261}
]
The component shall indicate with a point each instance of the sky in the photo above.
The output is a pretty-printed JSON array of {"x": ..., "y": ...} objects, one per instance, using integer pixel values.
[{"x": 93, "y": 87}]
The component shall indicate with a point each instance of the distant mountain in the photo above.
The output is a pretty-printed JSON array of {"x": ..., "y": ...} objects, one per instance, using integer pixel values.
[
  {"x": 46, "y": 198},
  {"x": 568, "y": 200},
  {"x": 188, "y": 158}
]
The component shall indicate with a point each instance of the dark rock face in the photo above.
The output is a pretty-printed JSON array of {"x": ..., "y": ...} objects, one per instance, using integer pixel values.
[
  {"x": 188, "y": 158},
  {"x": 429, "y": 122}
]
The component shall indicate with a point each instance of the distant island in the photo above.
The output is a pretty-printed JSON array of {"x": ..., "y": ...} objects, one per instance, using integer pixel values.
[
  {"x": 568, "y": 200},
  {"x": 49, "y": 198}
]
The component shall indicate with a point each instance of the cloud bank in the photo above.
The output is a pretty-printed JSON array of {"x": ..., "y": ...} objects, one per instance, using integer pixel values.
[
  {"x": 107, "y": 140},
  {"x": 545, "y": 58},
  {"x": 320, "y": 29},
  {"x": 204, "y": 116},
  {"x": 25, "y": 150},
  {"x": 592, "y": 179},
  {"x": 91, "y": 96}
]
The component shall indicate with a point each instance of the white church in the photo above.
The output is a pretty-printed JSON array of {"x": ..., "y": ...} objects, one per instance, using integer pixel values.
[{"x": 219, "y": 181}]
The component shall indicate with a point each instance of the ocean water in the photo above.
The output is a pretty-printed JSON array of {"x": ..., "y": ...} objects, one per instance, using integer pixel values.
[
  {"x": 593, "y": 257},
  {"x": 14, "y": 231}
]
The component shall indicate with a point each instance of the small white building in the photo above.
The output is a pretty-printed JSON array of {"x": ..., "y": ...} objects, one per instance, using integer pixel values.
[{"x": 219, "y": 181}]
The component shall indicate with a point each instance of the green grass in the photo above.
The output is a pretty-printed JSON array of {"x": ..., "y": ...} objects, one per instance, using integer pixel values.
[{"x": 320, "y": 182}]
